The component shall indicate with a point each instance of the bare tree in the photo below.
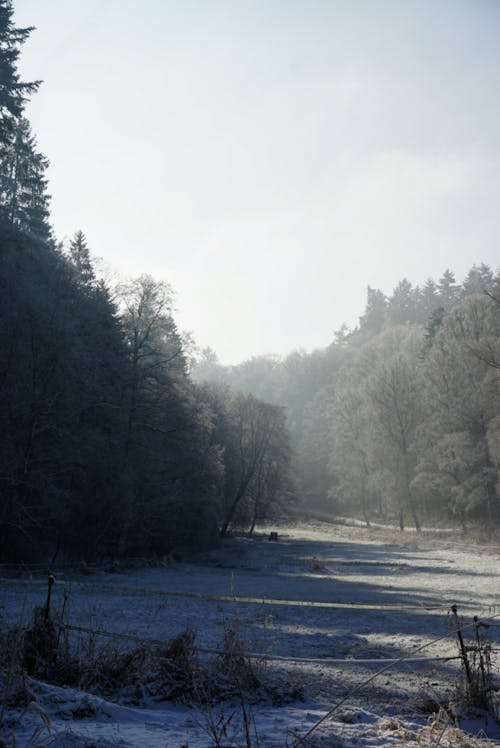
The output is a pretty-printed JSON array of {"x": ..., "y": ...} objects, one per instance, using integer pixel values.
[{"x": 261, "y": 439}]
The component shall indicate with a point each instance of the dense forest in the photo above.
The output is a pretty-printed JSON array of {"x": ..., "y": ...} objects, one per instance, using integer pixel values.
[
  {"x": 108, "y": 448},
  {"x": 399, "y": 419},
  {"x": 117, "y": 438}
]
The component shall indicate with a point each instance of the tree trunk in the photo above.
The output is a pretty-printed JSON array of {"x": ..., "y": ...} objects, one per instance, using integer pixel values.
[{"x": 409, "y": 497}]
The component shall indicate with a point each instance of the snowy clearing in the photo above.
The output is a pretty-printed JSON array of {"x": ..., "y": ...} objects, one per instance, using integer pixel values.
[{"x": 406, "y": 585}]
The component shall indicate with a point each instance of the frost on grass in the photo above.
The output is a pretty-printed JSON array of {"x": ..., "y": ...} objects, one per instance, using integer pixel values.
[{"x": 121, "y": 691}]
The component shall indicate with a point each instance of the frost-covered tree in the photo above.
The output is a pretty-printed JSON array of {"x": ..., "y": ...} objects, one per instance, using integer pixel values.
[
  {"x": 312, "y": 453},
  {"x": 462, "y": 399},
  {"x": 448, "y": 290},
  {"x": 403, "y": 304},
  {"x": 351, "y": 442},
  {"x": 428, "y": 301},
  {"x": 395, "y": 402},
  {"x": 478, "y": 279},
  {"x": 374, "y": 423}
]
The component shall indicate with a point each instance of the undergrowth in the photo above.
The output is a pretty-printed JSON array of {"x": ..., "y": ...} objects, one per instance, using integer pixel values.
[{"x": 136, "y": 675}]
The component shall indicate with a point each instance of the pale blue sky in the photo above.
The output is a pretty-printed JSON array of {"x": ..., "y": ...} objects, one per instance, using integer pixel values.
[{"x": 271, "y": 159}]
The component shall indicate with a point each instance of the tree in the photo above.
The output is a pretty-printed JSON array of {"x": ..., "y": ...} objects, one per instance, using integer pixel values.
[
  {"x": 477, "y": 325},
  {"x": 375, "y": 316},
  {"x": 23, "y": 184},
  {"x": 81, "y": 261},
  {"x": 448, "y": 290},
  {"x": 170, "y": 468},
  {"x": 433, "y": 324},
  {"x": 461, "y": 404},
  {"x": 395, "y": 400},
  {"x": 61, "y": 355},
  {"x": 313, "y": 451},
  {"x": 429, "y": 300},
  {"x": 263, "y": 455},
  {"x": 13, "y": 92},
  {"x": 478, "y": 280},
  {"x": 403, "y": 303},
  {"x": 351, "y": 441},
  {"x": 374, "y": 423}
]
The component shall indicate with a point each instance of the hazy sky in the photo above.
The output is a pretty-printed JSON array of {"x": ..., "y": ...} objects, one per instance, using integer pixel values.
[{"x": 271, "y": 158}]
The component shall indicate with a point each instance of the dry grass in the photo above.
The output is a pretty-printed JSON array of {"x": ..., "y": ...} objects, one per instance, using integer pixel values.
[{"x": 443, "y": 731}]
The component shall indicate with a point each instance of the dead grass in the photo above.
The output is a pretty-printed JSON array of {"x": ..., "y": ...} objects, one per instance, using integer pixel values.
[{"x": 137, "y": 675}]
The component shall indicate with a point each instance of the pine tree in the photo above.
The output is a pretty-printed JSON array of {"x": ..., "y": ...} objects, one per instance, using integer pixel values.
[
  {"x": 429, "y": 299},
  {"x": 81, "y": 261},
  {"x": 375, "y": 316},
  {"x": 433, "y": 325},
  {"x": 449, "y": 291},
  {"x": 13, "y": 91},
  {"x": 478, "y": 279},
  {"x": 24, "y": 201},
  {"x": 403, "y": 303}
]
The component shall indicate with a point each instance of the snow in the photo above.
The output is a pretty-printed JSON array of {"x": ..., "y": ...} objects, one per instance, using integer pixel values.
[{"x": 407, "y": 585}]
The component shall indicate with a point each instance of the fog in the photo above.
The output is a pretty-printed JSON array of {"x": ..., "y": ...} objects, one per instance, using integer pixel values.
[
  {"x": 270, "y": 160},
  {"x": 248, "y": 281}
]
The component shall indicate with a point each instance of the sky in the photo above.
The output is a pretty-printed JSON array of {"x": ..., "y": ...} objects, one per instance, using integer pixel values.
[{"x": 270, "y": 159}]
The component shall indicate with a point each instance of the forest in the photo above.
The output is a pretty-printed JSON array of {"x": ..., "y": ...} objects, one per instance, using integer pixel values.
[
  {"x": 119, "y": 438},
  {"x": 108, "y": 448},
  {"x": 397, "y": 420}
]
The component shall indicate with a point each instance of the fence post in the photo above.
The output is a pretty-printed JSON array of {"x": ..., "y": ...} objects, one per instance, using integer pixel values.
[
  {"x": 477, "y": 624},
  {"x": 50, "y": 582},
  {"x": 461, "y": 645}
]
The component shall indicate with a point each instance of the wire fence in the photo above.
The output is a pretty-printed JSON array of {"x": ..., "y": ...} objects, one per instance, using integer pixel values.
[
  {"x": 69, "y": 587},
  {"x": 141, "y": 591},
  {"x": 464, "y": 654}
]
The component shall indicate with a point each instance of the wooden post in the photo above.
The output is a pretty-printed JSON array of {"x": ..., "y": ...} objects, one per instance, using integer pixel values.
[
  {"x": 477, "y": 624},
  {"x": 50, "y": 582},
  {"x": 461, "y": 645}
]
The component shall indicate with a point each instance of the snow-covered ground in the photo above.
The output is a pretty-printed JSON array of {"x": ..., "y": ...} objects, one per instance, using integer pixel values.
[{"x": 376, "y": 595}]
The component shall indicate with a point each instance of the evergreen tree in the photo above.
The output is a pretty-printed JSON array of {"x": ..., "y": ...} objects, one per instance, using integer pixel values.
[
  {"x": 429, "y": 300},
  {"x": 448, "y": 290},
  {"x": 433, "y": 324},
  {"x": 375, "y": 316},
  {"x": 81, "y": 261},
  {"x": 403, "y": 303},
  {"x": 23, "y": 184},
  {"x": 478, "y": 279},
  {"x": 13, "y": 91}
]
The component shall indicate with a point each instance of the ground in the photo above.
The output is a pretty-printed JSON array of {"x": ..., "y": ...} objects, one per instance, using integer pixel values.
[{"x": 378, "y": 595}]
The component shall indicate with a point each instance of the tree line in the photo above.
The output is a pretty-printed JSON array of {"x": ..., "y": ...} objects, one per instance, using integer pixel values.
[
  {"x": 117, "y": 439},
  {"x": 108, "y": 447},
  {"x": 397, "y": 420}
]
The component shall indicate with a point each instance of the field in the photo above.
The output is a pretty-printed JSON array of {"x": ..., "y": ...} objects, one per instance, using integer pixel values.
[{"x": 372, "y": 595}]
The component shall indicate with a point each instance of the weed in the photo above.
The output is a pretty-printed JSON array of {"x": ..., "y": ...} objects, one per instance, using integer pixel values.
[
  {"x": 37, "y": 738},
  {"x": 234, "y": 663},
  {"x": 442, "y": 731},
  {"x": 13, "y": 690},
  {"x": 475, "y": 690},
  {"x": 178, "y": 666},
  {"x": 40, "y": 644},
  {"x": 229, "y": 724},
  {"x": 316, "y": 564}
]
